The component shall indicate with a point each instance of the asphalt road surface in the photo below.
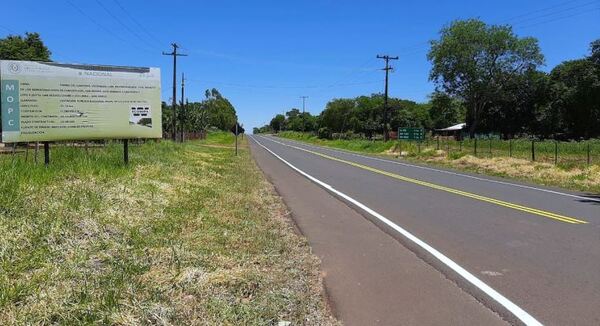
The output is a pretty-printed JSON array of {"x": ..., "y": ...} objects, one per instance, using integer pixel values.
[{"x": 404, "y": 244}]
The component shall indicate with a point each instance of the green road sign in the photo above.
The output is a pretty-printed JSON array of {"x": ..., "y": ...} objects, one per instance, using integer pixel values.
[{"x": 411, "y": 133}]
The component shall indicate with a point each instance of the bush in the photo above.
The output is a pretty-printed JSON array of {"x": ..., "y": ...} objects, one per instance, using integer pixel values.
[{"x": 324, "y": 133}]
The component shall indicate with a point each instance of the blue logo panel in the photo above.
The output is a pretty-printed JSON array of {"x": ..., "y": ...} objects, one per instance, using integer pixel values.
[{"x": 11, "y": 117}]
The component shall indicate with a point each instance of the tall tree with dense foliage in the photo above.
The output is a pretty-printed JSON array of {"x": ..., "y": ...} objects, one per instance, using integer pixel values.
[
  {"x": 337, "y": 115},
  {"x": 300, "y": 121},
  {"x": 515, "y": 110},
  {"x": 277, "y": 123},
  {"x": 445, "y": 110},
  {"x": 595, "y": 51},
  {"x": 221, "y": 114},
  {"x": 31, "y": 48},
  {"x": 406, "y": 113},
  {"x": 576, "y": 97},
  {"x": 473, "y": 61}
]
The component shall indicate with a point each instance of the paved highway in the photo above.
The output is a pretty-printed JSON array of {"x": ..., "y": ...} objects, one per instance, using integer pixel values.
[{"x": 476, "y": 250}]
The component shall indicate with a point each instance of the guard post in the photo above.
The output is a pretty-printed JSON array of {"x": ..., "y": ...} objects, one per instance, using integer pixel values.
[{"x": 46, "y": 153}]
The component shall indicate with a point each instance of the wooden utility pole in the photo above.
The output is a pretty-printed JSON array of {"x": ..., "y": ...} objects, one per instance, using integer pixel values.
[
  {"x": 174, "y": 103},
  {"x": 303, "y": 115},
  {"x": 387, "y": 69},
  {"x": 182, "y": 113},
  {"x": 236, "y": 139}
]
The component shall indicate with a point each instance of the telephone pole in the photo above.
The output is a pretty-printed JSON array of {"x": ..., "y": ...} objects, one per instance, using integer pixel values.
[
  {"x": 387, "y": 69},
  {"x": 182, "y": 113},
  {"x": 174, "y": 103},
  {"x": 303, "y": 115}
]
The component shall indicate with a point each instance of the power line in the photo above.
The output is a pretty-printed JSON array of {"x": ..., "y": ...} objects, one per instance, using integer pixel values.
[
  {"x": 8, "y": 29},
  {"x": 560, "y": 18},
  {"x": 520, "y": 22},
  {"x": 239, "y": 85},
  {"x": 539, "y": 10},
  {"x": 554, "y": 13},
  {"x": 132, "y": 18},
  {"x": 132, "y": 32},
  {"x": 102, "y": 26}
]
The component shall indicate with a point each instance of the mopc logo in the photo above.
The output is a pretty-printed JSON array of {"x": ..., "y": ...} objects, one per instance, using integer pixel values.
[
  {"x": 9, "y": 104},
  {"x": 14, "y": 67}
]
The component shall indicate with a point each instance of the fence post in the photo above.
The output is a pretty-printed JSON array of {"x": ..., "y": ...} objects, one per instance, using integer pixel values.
[
  {"x": 419, "y": 147},
  {"x": 448, "y": 147},
  {"x": 475, "y": 147},
  {"x": 533, "y": 150},
  {"x": 438, "y": 143},
  {"x": 588, "y": 153},
  {"x": 510, "y": 147},
  {"x": 555, "y": 152},
  {"x": 490, "y": 141}
]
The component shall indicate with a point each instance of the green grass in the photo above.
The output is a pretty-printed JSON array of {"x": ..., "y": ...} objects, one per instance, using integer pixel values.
[
  {"x": 358, "y": 145},
  {"x": 571, "y": 170},
  {"x": 187, "y": 234}
]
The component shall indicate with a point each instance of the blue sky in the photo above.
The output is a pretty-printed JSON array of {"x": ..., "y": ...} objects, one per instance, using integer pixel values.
[{"x": 264, "y": 55}]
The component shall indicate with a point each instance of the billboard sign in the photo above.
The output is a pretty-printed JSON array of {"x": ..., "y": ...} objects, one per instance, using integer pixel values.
[{"x": 47, "y": 101}]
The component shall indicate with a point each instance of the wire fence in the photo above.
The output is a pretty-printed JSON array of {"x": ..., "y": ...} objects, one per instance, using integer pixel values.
[{"x": 566, "y": 154}]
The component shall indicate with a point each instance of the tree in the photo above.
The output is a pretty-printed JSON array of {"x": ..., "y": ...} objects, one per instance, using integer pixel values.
[
  {"x": 277, "y": 122},
  {"x": 595, "y": 51},
  {"x": 167, "y": 116},
  {"x": 294, "y": 120},
  {"x": 337, "y": 115},
  {"x": 31, "y": 48},
  {"x": 406, "y": 113},
  {"x": 196, "y": 116},
  {"x": 367, "y": 116},
  {"x": 445, "y": 110},
  {"x": 517, "y": 108},
  {"x": 221, "y": 114},
  {"x": 472, "y": 61},
  {"x": 576, "y": 97}
]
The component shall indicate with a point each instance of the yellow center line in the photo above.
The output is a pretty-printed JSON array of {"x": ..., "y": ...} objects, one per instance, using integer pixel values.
[{"x": 535, "y": 211}]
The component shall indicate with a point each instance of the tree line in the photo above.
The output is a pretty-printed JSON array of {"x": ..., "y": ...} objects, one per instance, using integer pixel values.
[
  {"x": 215, "y": 111},
  {"x": 484, "y": 75}
]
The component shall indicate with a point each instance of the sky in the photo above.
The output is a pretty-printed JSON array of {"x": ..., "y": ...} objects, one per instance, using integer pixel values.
[{"x": 264, "y": 55}]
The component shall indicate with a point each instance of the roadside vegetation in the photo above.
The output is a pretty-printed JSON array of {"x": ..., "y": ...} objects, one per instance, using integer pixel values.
[
  {"x": 489, "y": 85},
  {"x": 488, "y": 80},
  {"x": 187, "y": 234},
  {"x": 571, "y": 172}
]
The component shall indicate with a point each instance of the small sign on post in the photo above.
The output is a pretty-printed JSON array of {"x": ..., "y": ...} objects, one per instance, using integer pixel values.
[
  {"x": 411, "y": 133},
  {"x": 237, "y": 129}
]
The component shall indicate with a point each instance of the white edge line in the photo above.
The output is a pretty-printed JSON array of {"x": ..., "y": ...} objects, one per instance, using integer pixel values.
[
  {"x": 444, "y": 171},
  {"x": 495, "y": 295}
]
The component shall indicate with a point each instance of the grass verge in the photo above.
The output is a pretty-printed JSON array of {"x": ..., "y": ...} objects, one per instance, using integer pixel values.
[
  {"x": 187, "y": 234},
  {"x": 575, "y": 177}
]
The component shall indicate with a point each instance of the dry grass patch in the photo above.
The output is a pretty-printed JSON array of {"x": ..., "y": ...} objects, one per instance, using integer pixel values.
[{"x": 584, "y": 179}]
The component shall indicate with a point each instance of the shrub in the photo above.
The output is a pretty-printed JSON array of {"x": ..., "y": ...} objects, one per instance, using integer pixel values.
[{"x": 324, "y": 133}]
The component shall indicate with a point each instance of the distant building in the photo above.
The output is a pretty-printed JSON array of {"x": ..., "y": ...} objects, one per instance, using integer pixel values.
[{"x": 455, "y": 131}]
